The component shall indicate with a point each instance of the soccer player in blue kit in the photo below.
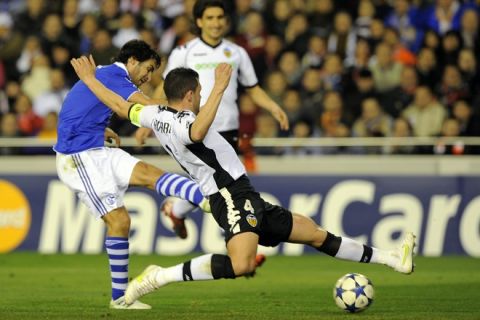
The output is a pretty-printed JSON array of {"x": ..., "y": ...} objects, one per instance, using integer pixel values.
[
  {"x": 100, "y": 175},
  {"x": 183, "y": 129}
]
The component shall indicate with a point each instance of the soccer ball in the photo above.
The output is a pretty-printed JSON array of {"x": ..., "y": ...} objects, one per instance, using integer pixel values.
[{"x": 353, "y": 292}]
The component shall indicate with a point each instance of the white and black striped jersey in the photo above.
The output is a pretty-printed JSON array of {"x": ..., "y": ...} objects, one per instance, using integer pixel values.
[
  {"x": 203, "y": 58},
  {"x": 212, "y": 163}
]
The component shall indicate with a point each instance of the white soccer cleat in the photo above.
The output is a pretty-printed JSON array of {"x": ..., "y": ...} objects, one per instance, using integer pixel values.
[
  {"x": 143, "y": 284},
  {"x": 405, "y": 255},
  {"x": 121, "y": 304}
]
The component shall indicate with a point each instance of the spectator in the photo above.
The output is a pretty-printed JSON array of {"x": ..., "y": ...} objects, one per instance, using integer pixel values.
[
  {"x": 126, "y": 31},
  {"x": 275, "y": 85},
  {"x": 396, "y": 100},
  {"x": 316, "y": 51},
  {"x": 469, "y": 31},
  {"x": 31, "y": 19},
  {"x": 31, "y": 50},
  {"x": 110, "y": 16},
  {"x": 332, "y": 74},
  {"x": 450, "y": 129},
  {"x": 297, "y": 34},
  {"x": 386, "y": 72},
  {"x": 253, "y": 37},
  {"x": 103, "y": 49},
  {"x": 11, "y": 44},
  {"x": 71, "y": 19},
  {"x": 403, "y": 18},
  {"x": 363, "y": 88},
  {"x": 452, "y": 88},
  {"x": 178, "y": 34},
  {"x": 51, "y": 100},
  {"x": 401, "y": 129},
  {"x": 469, "y": 122},
  {"x": 443, "y": 16},
  {"x": 343, "y": 38},
  {"x": 29, "y": 123},
  {"x": 278, "y": 16},
  {"x": 289, "y": 64},
  {"x": 425, "y": 114},
  {"x": 293, "y": 106},
  {"x": 267, "y": 128},
  {"x": 321, "y": 17},
  {"x": 311, "y": 92},
  {"x": 34, "y": 83},
  {"x": 9, "y": 129},
  {"x": 426, "y": 68},
  {"x": 467, "y": 64},
  {"x": 365, "y": 15},
  {"x": 451, "y": 46},
  {"x": 88, "y": 30},
  {"x": 400, "y": 53},
  {"x": 273, "y": 47}
]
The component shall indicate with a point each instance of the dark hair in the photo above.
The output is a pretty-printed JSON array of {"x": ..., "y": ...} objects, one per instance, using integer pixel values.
[
  {"x": 201, "y": 5},
  {"x": 178, "y": 82},
  {"x": 139, "y": 50}
]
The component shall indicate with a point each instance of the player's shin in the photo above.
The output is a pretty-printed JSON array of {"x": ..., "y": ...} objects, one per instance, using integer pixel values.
[
  {"x": 349, "y": 249},
  {"x": 171, "y": 184},
  {"x": 117, "y": 250}
]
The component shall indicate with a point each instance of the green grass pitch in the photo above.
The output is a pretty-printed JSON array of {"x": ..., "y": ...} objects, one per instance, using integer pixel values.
[{"x": 34, "y": 286}]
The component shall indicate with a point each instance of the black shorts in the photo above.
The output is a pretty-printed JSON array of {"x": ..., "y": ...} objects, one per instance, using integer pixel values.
[{"x": 238, "y": 208}]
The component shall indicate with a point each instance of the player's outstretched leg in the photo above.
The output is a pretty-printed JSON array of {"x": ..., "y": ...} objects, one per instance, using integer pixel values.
[
  {"x": 306, "y": 231},
  {"x": 206, "y": 267}
]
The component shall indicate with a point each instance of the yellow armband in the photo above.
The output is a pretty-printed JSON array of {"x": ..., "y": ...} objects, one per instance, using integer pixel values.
[{"x": 134, "y": 113}]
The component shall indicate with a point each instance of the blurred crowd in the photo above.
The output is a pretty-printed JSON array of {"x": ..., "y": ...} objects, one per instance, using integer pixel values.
[{"x": 350, "y": 68}]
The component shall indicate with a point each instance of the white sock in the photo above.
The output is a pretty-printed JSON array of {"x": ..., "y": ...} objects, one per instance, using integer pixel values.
[
  {"x": 181, "y": 208},
  {"x": 198, "y": 268}
]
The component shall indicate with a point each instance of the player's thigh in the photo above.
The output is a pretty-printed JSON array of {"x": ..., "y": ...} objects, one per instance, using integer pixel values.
[
  {"x": 145, "y": 175},
  {"x": 306, "y": 231},
  {"x": 89, "y": 175}
]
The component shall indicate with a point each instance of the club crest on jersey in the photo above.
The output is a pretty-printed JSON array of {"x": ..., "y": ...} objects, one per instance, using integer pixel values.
[
  {"x": 227, "y": 52},
  {"x": 252, "y": 220},
  {"x": 110, "y": 199}
]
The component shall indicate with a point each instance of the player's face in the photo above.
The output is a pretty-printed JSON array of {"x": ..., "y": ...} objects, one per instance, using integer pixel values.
[
  {"x": 196, "y": 99},
  {"x": 213, "y": 24},
  {"x": 141, "y": 72}
]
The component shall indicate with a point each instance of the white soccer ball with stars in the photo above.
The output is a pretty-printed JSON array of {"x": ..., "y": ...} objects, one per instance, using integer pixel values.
[{"x": 353, "y": 292}]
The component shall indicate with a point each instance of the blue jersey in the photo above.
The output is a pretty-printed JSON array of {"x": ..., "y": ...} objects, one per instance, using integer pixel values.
[{"x": 83, "y": 118}]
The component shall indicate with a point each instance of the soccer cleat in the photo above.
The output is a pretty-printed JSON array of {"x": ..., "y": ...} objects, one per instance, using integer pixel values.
[
  {"x": 259, "y": 260},
  {"x": 205, "y": 206},
  {"x": 178, "y": 223},
  {"x": 405, "y": 255},
  {"x": 121, "y": 304},
  {"x": 143, "y": 284}
]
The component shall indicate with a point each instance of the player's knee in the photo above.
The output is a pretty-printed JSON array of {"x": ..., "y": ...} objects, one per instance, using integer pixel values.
[
  {"x": 146, "y": 175},
  {"x": 243, "y": 266},
  {"x": 120, "y": 224}
]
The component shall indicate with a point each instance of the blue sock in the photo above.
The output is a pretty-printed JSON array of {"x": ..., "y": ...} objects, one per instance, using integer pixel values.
[
  {"x": 171, "y": 184},
  {"x": 117, "y": 250}
]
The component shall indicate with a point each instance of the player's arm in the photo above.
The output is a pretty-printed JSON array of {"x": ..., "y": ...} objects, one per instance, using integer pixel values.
[
  {"x": 207, "y": 113},
  {"x": 85, "y": 69},
  {"x": 261, "y": 98}
]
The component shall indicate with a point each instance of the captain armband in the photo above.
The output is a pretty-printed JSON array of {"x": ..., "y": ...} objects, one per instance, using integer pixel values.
[{"x": 134, "y": 113}]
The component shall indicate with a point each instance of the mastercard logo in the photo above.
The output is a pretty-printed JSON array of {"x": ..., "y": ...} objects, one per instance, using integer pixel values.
[{"x": 15, "y": 216}]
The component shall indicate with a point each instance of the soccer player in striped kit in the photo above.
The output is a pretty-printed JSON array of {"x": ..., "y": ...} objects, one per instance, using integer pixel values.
[
  {"x": 203, "y": 54},
  {"x": 183, "y": 129},
  {"x": 100, "y": 175}
]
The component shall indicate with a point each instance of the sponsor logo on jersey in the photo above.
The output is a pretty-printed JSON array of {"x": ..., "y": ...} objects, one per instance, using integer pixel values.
[
  {"x": 227, "y": 52},
  {"x": 252, "y": 220},
  {"x": 15, "y": 216},
  {"x": 200, "y": 54}
]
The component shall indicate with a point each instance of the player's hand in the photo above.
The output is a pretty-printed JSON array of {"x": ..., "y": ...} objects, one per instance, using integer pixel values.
[
  {"x": 142, "y": 134},
  {"x": 281, "y": 117},
  {"x": 111, "y": 137},
  {"x": 84, "y": 67},
  {"x": 223, "y": 72}
]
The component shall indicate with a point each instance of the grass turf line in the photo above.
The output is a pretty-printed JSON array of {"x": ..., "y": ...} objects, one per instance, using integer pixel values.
[{"x": 34, "y": 286}]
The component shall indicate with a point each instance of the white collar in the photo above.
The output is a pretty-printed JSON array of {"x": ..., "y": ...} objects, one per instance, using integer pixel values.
[{"x": 121, "y": 65}]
